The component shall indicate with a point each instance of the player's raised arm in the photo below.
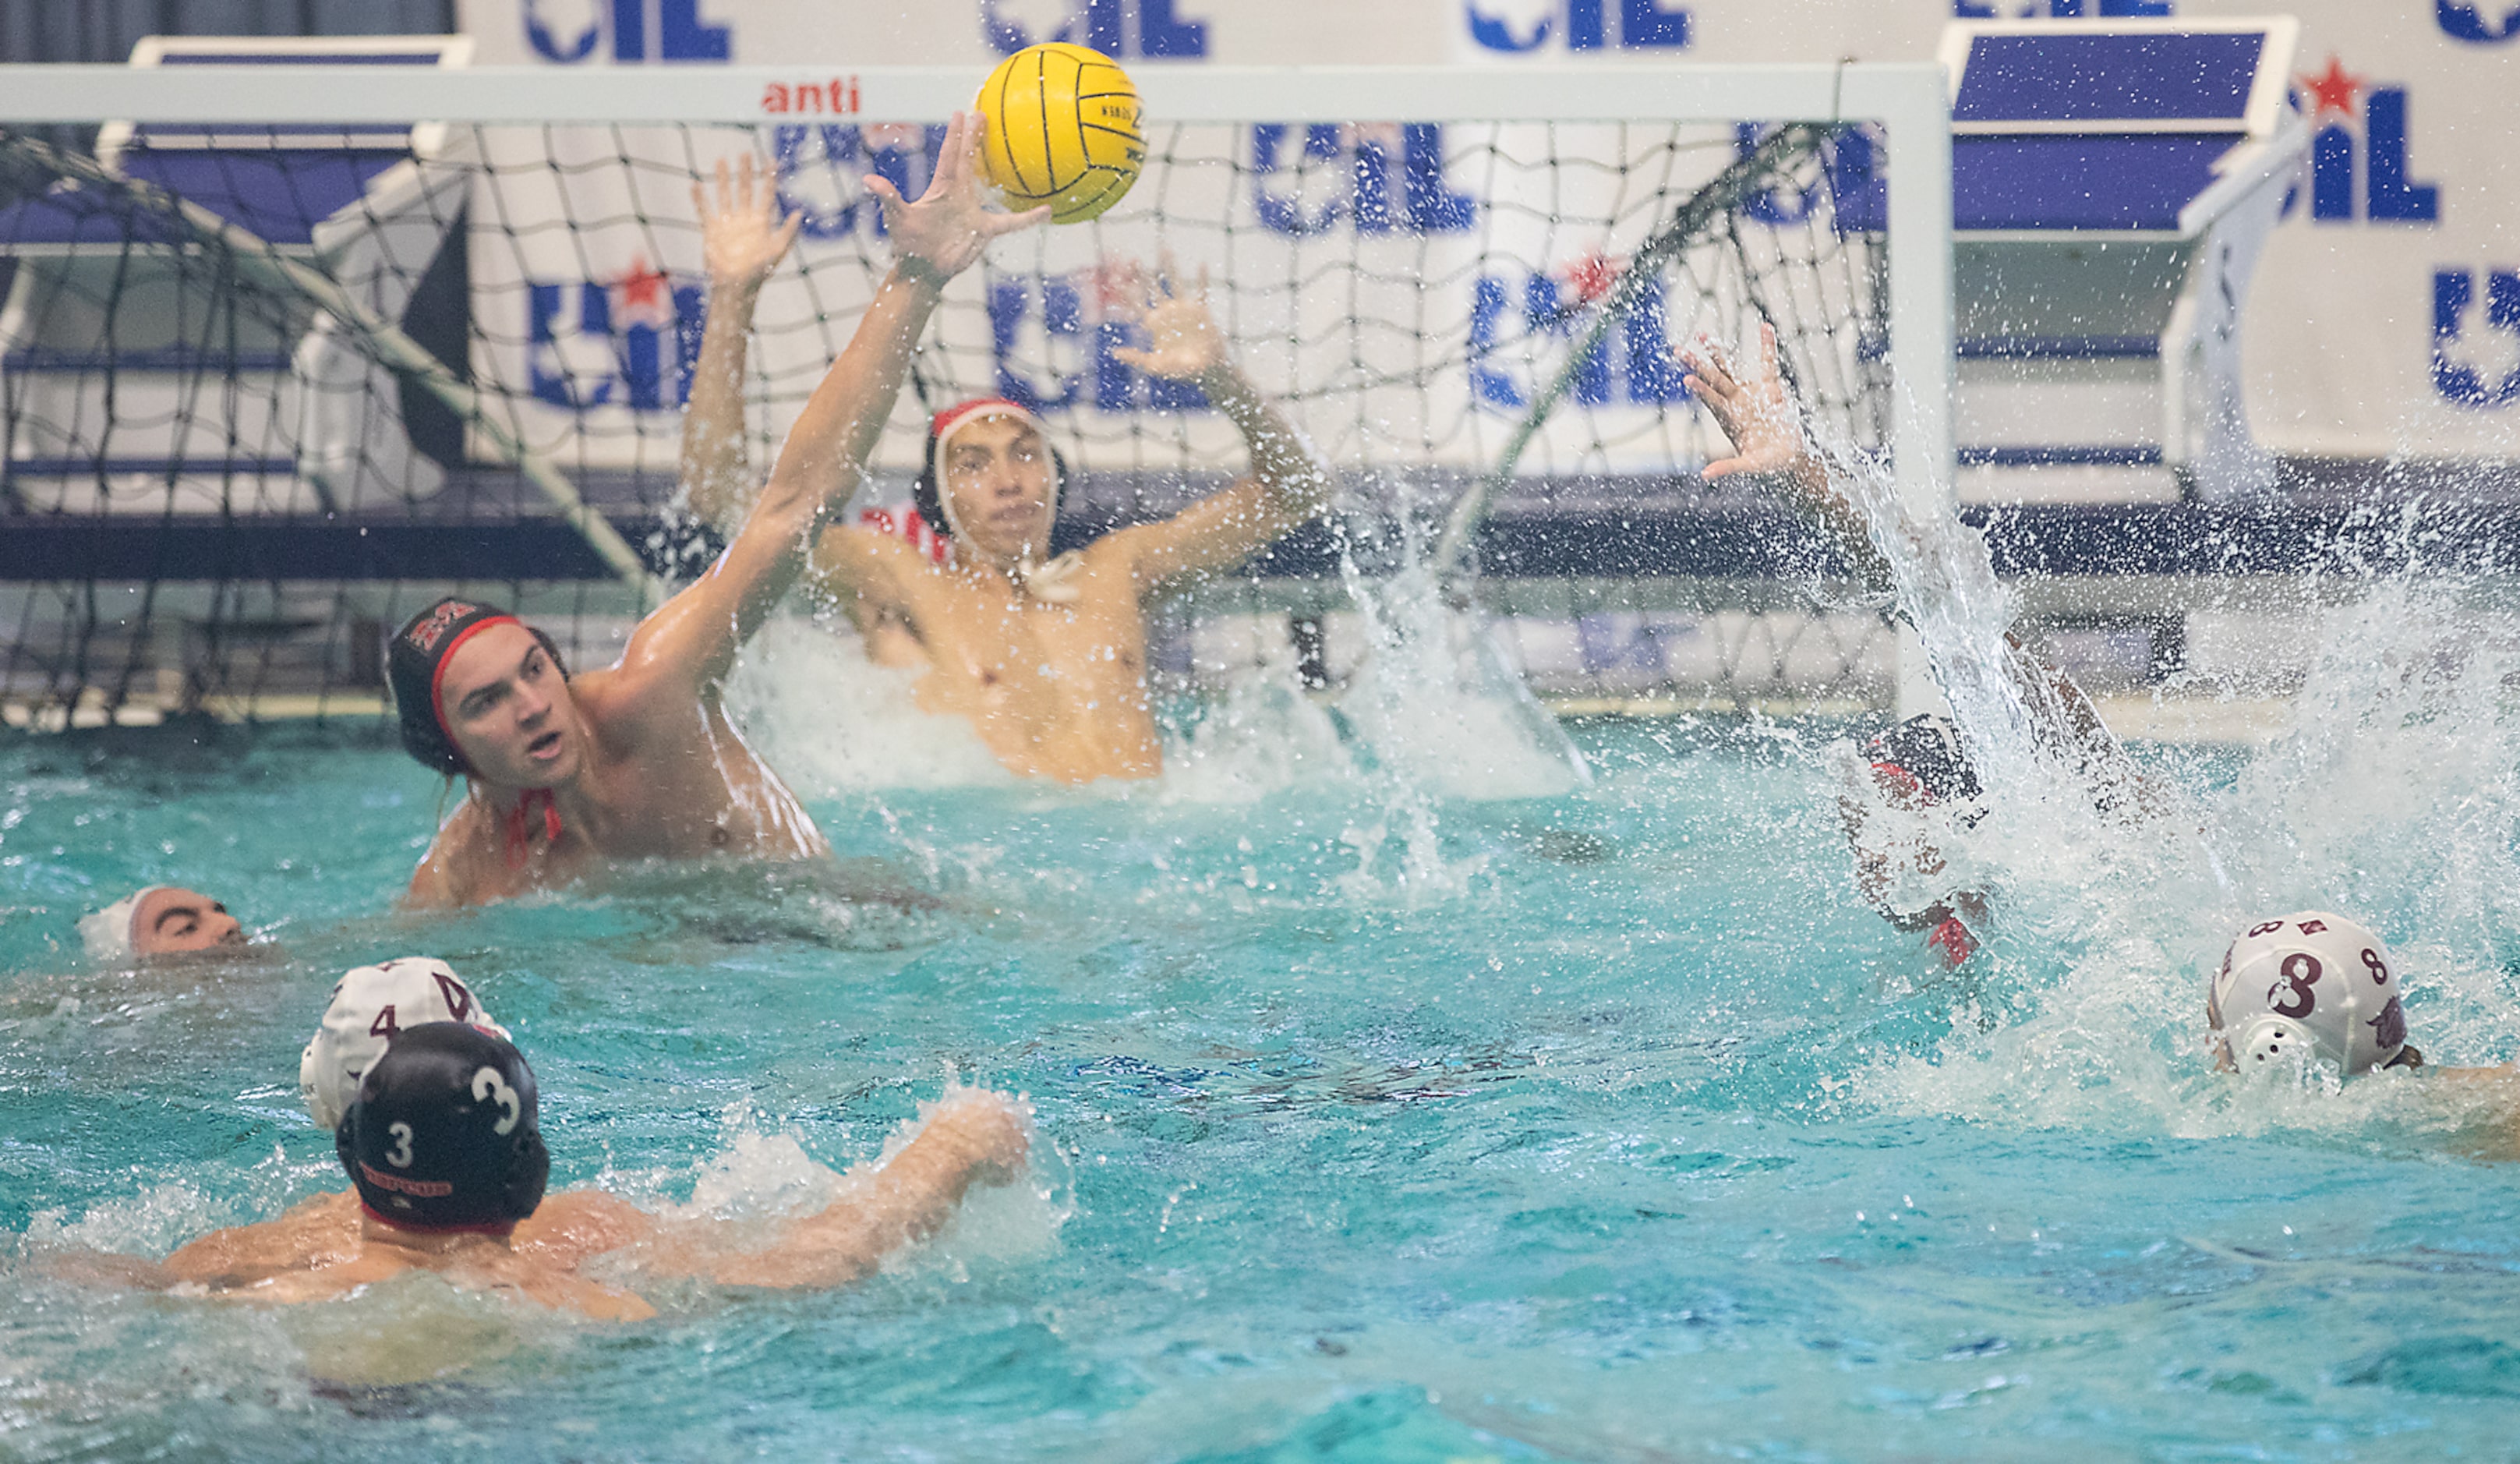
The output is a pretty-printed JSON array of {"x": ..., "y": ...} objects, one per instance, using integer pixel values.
[
  {"x": 1289, "y": 482},
  {"x": 972, "y": 1137},
  {"x": 742, "y": 240},
  {"x": 1752, "y": 404},
  {"x": 1756, "y": 410},
  {"x": 693, "y": 640}
]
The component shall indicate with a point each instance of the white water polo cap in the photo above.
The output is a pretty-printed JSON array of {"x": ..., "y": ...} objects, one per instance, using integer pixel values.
[
  {"x": 369, "y": 1007},
  {"x": 108, "y": 934},
  {"x": 2310, "y": 986}
]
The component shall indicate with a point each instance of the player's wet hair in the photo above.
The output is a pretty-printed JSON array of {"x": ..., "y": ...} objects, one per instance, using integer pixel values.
[
  {"x": 416, "y": 662},
  {"x": 1927, "y": 748},
  {"x": 928, "y": 493},
  {"x": 444, "y": 1134}
]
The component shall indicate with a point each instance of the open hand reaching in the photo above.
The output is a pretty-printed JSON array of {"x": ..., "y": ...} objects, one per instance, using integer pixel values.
[
  {"x": 742, "y": 238},
  {"x": 950, "y": 227},
  {"x": 1755, "y": 410},
  {"x": 1182, "y": 341}
]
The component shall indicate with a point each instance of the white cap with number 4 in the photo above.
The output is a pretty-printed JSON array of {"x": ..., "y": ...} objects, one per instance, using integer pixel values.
[
  {"x": 2310, "y": 986},
  {"x": 369, "y": 1006}
]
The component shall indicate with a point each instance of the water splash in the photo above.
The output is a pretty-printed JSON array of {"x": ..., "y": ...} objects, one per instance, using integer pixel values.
[
  {"x": 758, "y": 1177},
  {"x": 834, "y": 721},
  {"x": 1260, "y": 735},
  {"x": 1435, "y": 703},
  {"x": 2388, "y": 799}
]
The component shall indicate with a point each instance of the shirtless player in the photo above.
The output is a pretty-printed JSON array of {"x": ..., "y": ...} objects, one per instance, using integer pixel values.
[
  {"x": 446, "y": 1159},
  {"x": 638, "y": 760},
  {"x": 1046, "y": 657}
]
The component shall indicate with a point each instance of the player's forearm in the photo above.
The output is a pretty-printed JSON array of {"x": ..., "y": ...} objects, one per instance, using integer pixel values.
[
  {"x": 1282, "y": 457},
  {"x": 820, "y": 464},
  {"x": 1815, "y": 490},
  {"x": 908, "y": 1200},
  {"x": 715, "y": 468},
  {"x": 817, "y": 466}
]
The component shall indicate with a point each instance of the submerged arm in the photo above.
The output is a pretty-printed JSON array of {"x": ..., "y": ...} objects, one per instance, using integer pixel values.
[{"x": 742, "y": 240}]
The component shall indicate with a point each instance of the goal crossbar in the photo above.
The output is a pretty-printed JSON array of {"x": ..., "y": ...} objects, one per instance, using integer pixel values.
[{"x": 1910, "y": 100}]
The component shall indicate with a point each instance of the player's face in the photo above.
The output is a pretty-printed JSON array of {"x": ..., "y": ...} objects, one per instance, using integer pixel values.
[
  {"x": 998, "y": 472},
  {"x": 512, "y": 717},
  {"x": 181, "y": 920}
]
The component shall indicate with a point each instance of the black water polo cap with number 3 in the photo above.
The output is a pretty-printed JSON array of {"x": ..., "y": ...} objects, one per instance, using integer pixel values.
[{"x": 444, "y": 1134}]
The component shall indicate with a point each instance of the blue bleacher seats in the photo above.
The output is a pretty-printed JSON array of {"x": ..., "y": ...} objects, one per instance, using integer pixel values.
[{"x": 2113, "y": 182}]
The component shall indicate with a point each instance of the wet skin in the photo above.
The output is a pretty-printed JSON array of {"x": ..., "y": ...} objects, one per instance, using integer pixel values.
[
  {"x": 172, "y": 920},
  {"x": 638, "y": 760},
  {"x": 1054, "y": 682},
  {"x": 327, "y": 1246},
  {"x": 631, "y": 774},
  {"x": 1056, "y": 688}
]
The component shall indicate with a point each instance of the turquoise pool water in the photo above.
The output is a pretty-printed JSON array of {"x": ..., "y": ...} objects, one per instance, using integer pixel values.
[{"x": 1599, "y": 1126}]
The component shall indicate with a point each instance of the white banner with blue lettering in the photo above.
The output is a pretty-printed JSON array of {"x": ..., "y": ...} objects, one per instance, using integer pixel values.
[{"x": 2384, "y": 319}]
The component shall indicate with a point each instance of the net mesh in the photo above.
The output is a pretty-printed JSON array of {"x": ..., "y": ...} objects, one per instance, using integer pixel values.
[{"x": 224, "y": 481}]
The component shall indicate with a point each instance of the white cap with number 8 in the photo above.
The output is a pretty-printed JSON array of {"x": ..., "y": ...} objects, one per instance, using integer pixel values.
[
  {"x": 2310, "y": 986},
  {"x": 369, "y": 1006}
]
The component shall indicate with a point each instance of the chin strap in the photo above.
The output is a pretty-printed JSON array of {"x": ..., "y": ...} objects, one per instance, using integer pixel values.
[
  {"x": 1048, "y": 582},
  {"x": 519, "y": 825},
  {"x": 1954, "y": 940}
]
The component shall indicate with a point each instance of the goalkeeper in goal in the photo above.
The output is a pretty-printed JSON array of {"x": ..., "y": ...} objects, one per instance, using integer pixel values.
[{"x": 1045, "y": 657}]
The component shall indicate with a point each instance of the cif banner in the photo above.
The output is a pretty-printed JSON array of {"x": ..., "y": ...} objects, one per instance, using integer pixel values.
[
  {"x": 1410, "y": 289},
  {"x": 2385, "y": 318}
]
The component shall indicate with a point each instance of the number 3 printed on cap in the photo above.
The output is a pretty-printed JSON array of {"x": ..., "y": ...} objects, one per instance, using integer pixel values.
[{"x": 487, "y": 1083}]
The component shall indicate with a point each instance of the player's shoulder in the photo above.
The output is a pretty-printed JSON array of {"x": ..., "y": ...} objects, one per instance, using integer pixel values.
[
  {"x": 866, "y": 542},
  {"x": 855, "y": 558},
  {"x": 448, "y": 872}
]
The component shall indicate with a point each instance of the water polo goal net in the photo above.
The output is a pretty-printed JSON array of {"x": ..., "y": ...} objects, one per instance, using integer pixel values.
[{"x": 279, "y": 363}]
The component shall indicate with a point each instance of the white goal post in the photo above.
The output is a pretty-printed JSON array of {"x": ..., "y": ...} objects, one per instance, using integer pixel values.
[{"x": 1624, "y": 144}]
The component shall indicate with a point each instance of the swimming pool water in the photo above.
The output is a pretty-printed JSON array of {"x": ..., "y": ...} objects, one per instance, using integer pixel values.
[{"x": 1608, "y": 1126}]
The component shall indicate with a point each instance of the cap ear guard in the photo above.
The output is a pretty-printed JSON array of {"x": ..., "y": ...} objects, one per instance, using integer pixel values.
[
  {"x": 2273, "y": 1042},
  {"x": 529, "y": 1176}
]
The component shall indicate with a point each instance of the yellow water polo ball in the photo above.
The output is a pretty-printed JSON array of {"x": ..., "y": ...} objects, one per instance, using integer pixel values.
[{"x": 1062, "y": 130}]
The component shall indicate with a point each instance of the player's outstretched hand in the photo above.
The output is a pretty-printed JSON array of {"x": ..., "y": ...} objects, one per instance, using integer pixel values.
[
  {"x": 1755, "y": 410},
  {"x": 741, "y": 236},
  {"x": 949, "y": 227},
  {"x": 1182, "y": 341}
]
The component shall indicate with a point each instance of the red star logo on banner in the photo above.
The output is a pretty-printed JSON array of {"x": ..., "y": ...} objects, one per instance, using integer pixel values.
[
  {"x": 2332, "y": 90},
  {"x": 1592, "y": 276},
  {"x": 641, "y": 288}
]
